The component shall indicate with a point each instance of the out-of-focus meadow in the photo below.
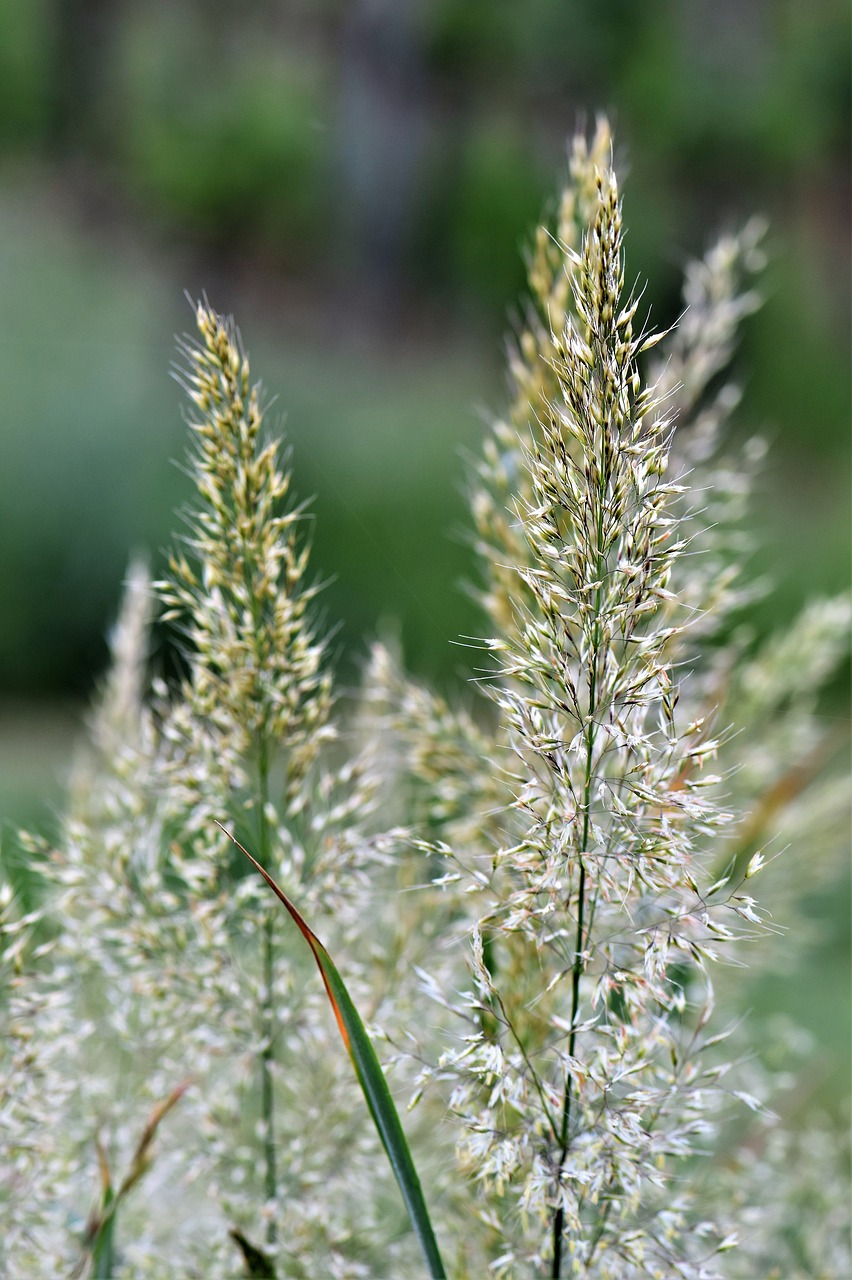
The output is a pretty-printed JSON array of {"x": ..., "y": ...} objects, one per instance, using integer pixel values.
[{"x": 355, "y": 181}]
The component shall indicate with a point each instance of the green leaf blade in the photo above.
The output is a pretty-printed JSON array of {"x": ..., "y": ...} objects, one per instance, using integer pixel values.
[
  {"x": 371, "y": 1079},
  {"x": 385, "y": 1115},
  {"x": 103, "y": 1245}
]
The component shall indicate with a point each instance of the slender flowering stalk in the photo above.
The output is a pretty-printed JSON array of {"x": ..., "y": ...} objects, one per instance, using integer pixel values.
[
  {"x": 256, "y": 677},
  {"x": 257, "y": 702}
]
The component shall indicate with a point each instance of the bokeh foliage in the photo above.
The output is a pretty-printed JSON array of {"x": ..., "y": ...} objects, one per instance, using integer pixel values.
[{"x": 357, "y": 178}]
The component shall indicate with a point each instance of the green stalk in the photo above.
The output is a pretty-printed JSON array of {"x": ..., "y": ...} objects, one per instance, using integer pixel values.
[
  {"x": 267, "y": 1058},
  {"x": 103, "y": 1246},
  {"x": 559, "y": 1217},
  {"x": 576, "y": 973}
]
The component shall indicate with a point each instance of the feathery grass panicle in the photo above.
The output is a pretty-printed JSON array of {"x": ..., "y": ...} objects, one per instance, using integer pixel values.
[
  {"x": 239, "y": 589},
  {"x": 585, "y": 1085},
  {"x": 606, "y": 873},
  {"x": 244, "y": 747},
  {"x": 500, "y": 476},
  {"x": 587, "y": 1072},
  {"x": 92, "y": 1027},
  {"x": 439, "y": 760}
]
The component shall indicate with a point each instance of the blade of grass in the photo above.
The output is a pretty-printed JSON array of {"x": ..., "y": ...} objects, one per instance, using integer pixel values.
[
  {"x": 99, "y": 1247},
  {"x": 370, "y": 1077},
  {"x": 102, "y": 1244},
  {"x": 257, "y": 1263}
]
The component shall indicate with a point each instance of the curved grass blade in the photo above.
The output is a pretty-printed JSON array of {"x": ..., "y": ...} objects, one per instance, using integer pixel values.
[
  {"x": 370, "y": 1077},
  {"x": 99, "y": 1245},
  {"x": 257, "y": 1263},
  {"x": 104, "y": 1227}
]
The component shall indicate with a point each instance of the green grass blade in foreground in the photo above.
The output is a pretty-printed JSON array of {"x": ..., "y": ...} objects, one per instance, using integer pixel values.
[
  {"x": 98, "y": 1258},
  {"x": 102, "y": 1245},
  {"x": 370, "y": 1077}
]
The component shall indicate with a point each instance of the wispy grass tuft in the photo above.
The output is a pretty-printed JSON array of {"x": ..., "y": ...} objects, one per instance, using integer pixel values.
[{"x": 537, "y": 897}]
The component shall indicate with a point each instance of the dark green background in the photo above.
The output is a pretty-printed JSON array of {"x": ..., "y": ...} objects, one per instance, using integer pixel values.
[{"x": 356, "y": 182}]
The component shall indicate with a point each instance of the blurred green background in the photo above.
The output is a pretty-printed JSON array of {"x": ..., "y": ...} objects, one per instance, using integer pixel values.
[{"x": 355, "y": 181}]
